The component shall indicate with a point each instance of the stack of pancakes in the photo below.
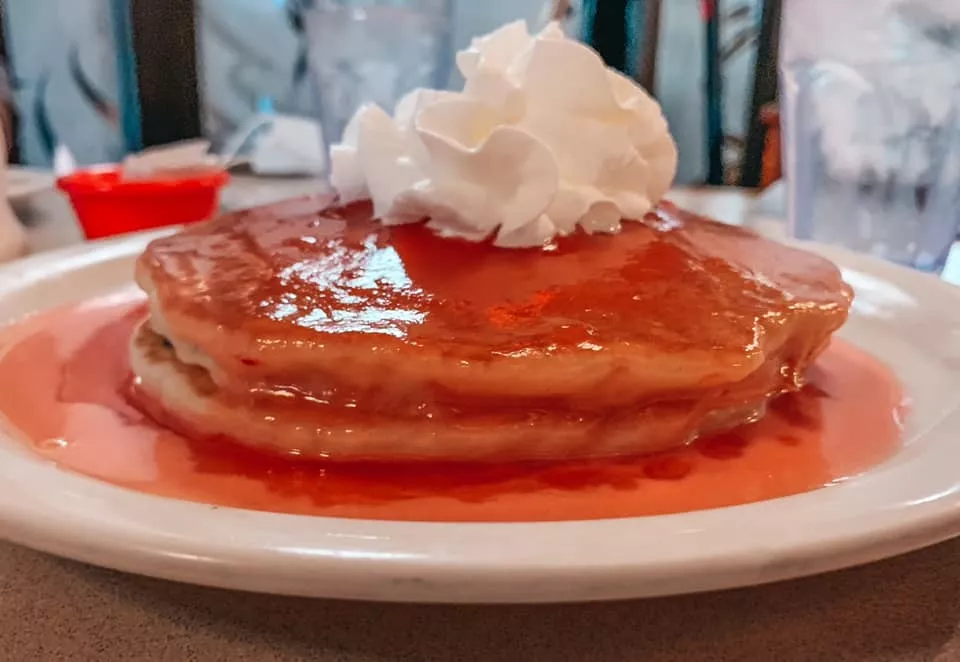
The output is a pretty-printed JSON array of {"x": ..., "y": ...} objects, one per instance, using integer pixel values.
[{"x": 314, "y": 330}]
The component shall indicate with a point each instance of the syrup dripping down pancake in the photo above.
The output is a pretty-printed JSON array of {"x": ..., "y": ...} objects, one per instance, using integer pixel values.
[{"x": 312, "y": 329}]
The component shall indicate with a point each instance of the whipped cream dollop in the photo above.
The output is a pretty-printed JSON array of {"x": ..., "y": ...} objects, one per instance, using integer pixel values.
[{"x": 543, "y": 138}]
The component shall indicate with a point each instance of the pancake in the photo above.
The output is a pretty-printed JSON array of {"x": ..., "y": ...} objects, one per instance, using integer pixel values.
[
  {"x": 184, "y": 398},
  {"x": 310, "y": 329}
]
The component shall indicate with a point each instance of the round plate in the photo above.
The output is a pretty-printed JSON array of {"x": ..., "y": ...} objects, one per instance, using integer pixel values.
[{"x": 910, "y": 320}]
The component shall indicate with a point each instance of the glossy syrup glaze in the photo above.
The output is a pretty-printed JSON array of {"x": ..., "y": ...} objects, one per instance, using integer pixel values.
[
  {"x": 617, "y": 344},
  {"x": 301, "y": 287},
  {"x": 64, "y": 378},
  {"x": 303, "y": 269}
]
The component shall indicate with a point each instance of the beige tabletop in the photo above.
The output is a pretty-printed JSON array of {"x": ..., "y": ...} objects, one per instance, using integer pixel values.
[{"x": 905, "y": 609}]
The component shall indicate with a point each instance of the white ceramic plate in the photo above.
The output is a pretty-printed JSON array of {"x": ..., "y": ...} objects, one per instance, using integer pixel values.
[{"x": 910, "y": 320}]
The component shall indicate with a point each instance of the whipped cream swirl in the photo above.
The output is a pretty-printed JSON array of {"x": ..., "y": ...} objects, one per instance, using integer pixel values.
[{"x": 543, "y": 138}]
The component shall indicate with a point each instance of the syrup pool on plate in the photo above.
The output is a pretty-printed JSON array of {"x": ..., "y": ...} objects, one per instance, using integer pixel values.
[{"x": 64, "y": 377}]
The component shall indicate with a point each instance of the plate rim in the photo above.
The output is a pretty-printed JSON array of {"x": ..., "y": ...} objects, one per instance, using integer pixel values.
[{"x": 464, "y": 562}]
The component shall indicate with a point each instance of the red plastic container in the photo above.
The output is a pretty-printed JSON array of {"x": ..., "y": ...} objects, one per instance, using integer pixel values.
[{"x": 107, "y": 204}]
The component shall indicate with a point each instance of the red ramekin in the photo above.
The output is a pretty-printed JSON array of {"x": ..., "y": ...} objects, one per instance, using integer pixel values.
[{"x": 108, "y": 204}]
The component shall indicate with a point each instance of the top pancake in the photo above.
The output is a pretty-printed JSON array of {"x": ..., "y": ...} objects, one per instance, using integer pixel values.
[{"x": 308, "y": 295}]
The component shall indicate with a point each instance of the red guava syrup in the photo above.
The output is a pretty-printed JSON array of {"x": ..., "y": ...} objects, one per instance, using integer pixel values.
[{"x": 64, "y": 376}]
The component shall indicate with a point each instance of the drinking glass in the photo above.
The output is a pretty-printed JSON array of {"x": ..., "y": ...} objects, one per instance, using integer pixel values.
[
  {"x": 872, "y": 156},
  {"x": 362, "y": 51}
]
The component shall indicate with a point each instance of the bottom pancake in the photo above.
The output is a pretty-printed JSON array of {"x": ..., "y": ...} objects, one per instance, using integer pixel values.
[{"x": 185, "y": 398}]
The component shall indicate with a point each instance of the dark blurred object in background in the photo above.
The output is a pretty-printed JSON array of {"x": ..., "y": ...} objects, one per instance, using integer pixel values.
[
  {"x": 164, "y": 41},
  {"x": 626, "y": 33},
  {"x": 607, "y": 26},
  {"x": 8, "y": 114}
]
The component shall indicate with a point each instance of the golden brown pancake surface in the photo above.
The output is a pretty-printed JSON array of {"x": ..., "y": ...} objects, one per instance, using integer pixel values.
[{"x": 329, "y": 305}]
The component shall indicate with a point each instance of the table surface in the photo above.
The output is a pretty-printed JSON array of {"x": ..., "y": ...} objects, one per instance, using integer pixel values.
[{"x": 906, "y": 609}]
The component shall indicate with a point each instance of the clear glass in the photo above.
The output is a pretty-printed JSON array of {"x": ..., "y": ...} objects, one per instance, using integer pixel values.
[
  {"x": 362, "y": 51},
  {"x": 872, "y": 155}
]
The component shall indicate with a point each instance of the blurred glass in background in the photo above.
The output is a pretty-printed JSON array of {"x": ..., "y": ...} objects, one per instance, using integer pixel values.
[
  {"x": 374, "y": 51},
  {"x": 875, "y": 166},
  {"x": 872, "y": 119}
]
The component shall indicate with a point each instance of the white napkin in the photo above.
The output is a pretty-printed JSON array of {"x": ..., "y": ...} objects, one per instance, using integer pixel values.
[
  {"x": 290, "y": 145},
  {"x": 64, "y": 162},
  {"x": 12, "y": 236},
  {"x": 185, "y": 155},
  {"x": 278, "y": 145}
]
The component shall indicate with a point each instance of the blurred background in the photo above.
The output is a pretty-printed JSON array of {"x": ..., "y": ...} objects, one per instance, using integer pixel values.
[
  {"x": 100, "y": 77},
  {"x": 838, "y": 118}
]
